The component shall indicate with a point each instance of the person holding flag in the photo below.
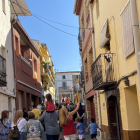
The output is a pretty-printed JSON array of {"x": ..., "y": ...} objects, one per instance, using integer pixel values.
[{"x": 67, "y": 100}]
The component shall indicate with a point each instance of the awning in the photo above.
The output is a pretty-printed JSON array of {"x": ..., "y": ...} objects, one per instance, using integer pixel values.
[
  {"x": 43, "y": 52},
  {"x": 104, "y": 35},
  {"x": 19, "y": 8}
]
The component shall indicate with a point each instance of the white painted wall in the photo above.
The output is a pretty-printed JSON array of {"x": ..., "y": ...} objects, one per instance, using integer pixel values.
[{"x": 6, "y": 51}]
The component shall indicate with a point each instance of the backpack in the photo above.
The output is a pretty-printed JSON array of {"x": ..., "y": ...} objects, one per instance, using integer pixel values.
[{"x": 15, "y": 134}]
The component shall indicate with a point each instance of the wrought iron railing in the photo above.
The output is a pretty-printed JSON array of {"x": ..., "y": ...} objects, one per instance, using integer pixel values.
[
  {"x": 2, "y": 70},
  {"x": 104, "y": 69}
]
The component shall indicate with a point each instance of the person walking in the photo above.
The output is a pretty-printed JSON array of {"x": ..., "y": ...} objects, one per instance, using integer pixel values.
[
  {"x": 81, "y": 113},
  {"x": 5, "y": 125},
  {"x": 52, "y": 129},
  {"x": 25, "y": 114},
  {"x": 33, "y": 128},
  {"x": 66, "y": 121},
  {"x": 93, "y": 129},
  {"x": 79, "y": 127},
  {"x": 20, "y": 122},
  {"x": 37, "y": 112}
]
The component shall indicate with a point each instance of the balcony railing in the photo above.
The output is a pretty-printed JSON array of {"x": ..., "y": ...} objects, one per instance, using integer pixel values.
[
  {"x": 64, "y": 88},
  {"x": 28, "y": 63},
  {"x": 49, "y": 73},
  {"x": 104, "y": 71},
  {"x": 2, "y": 72}
]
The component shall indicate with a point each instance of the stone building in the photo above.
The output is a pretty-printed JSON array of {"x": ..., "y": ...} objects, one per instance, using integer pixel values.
[{"x": 86, "y": 47}]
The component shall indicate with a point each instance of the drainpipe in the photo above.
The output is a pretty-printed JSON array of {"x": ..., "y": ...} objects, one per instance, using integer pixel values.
[
  {"x": 136, "y": 35},
  {"x": 94, "y": 58}
]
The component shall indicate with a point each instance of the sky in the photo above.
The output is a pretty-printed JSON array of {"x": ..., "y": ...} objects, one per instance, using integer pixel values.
[{"x": 63, "y": 48}]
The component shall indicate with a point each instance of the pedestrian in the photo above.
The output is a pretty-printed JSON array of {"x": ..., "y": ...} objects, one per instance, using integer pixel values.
[
  {"x": 57, "y": 107},
  {"x": 79, "y": 127},
  {"x": 49, "y": 103},
  {"x": 66, "y": 121},
  {"x": 50, "y": 119},
  {"x": 37, "y": 112},
  {"x": 81, "y": 113},
  {"x": 20, "y": 122},
  {"x": 25, "y": 114},
  {"x": 93, "y": 129},
  {"x": 5, "y": 125},
  {"x": 29, "y": 109},
  {"x": 33, "y": 128}
]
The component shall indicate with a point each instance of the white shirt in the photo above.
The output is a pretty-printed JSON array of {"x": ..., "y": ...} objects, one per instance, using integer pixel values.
[
  {"x": 21, "y": 123},
  {"x": 109, "y": 55}
]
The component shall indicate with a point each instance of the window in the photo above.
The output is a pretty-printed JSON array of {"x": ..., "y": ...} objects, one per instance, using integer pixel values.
[
  {"x": 86, "y": 70},
  {"x": 63, "y": 77},
  {"x": 127, "y": 30},
  {"x": 77, "y": 76},
  {"x": 3, "y": 6},
  {"x": 10, "y": 104},
  {"x": 64, "y": 84},
  {"x": 17, "y": 46},
  {"x": 35, "y": 69},
  {"x": 90, "y": 59}
]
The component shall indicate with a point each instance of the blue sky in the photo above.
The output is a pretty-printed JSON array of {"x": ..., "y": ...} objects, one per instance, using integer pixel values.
[{"x": 63, "y": 48}]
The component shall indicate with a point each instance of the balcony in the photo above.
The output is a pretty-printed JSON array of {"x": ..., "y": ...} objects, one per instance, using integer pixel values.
[
  {"x": 104, "y": 72},
  {"x": 65, "y": 89},
  {"x": 2, "y": 72},
  {"x": 47, "y": 76}
]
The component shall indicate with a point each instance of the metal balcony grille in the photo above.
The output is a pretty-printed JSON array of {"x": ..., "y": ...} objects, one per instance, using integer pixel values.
[
  {"x": 2, "y": 71},
  {"x": 104, "y": 71}
]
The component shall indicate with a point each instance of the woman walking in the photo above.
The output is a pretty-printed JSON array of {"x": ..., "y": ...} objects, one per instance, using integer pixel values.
[
  {"x": 66, "y": 121},
  {"x": 33, "y": 128},
  {"x": 20, "y": 122},
  {"x": 5, "y": 125}
]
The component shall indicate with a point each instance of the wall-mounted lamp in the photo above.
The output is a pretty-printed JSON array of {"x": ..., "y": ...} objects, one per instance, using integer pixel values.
[{"x": 126, "y": 81}]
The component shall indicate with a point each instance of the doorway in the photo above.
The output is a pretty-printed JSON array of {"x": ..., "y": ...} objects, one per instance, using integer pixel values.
[{"x": 113, "y": 119}]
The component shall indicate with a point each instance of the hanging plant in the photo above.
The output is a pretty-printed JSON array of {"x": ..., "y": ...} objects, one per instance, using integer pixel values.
[{"x": 43, "y": 62}]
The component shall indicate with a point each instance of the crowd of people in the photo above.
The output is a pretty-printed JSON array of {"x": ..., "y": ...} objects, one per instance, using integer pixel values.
[{"x": 53, "y": 120}]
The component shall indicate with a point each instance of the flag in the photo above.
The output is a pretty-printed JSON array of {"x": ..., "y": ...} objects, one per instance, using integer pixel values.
[
  {"x": 67, "y": 100},
  {"x": 70, "y": 87},
  {"x": 78, "y": 80},
  {"x": 77, "y": 96}
]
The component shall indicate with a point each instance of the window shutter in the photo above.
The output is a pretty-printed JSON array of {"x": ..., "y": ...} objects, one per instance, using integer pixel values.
[{"x": 127, "y": 30}]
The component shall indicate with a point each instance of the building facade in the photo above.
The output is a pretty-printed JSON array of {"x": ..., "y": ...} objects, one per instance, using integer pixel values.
[
  {"x": 7, "y": 79},
  {"x": 47, "y": 76},
  {"x": 82, "y": 9},
  {"x": 116, "y": 68},
  {"x": 27, "y": 70},
  {"x": 7, "y": 86},
  {"x": 66, "y": 86}
]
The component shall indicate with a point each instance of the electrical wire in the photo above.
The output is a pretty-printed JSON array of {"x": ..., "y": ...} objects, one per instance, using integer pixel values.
[
  {"x": 68, "y": 69},
  {"x": 46, "y": 22},
  {"x": 57, "y": 22}
]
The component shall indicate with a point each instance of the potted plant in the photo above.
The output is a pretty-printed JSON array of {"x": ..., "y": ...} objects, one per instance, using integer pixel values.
[{"x": 43, "y": 62}]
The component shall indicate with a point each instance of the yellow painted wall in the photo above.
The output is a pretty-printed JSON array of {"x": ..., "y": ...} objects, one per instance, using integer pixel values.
[
  {"x": 102, "y": 10},
  {"x": 103, "y": 110},
  {"x": 133, "y": 114}
]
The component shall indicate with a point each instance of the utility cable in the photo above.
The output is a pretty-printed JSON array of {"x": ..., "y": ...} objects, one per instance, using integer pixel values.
[
  {"x": 56, "y": 21},
  {"x": 46, "y": 22}
]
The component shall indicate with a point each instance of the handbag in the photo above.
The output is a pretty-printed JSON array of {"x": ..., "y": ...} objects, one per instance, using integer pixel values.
[{"x": 15, "y": 134}]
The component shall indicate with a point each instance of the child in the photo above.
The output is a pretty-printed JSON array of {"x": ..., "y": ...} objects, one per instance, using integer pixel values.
[
  {"x": 93, "y": 129},
  {"x": 33, "y": 128},
  {"x": 49, "y": 103},
  {"x": 80, "y": 128}
]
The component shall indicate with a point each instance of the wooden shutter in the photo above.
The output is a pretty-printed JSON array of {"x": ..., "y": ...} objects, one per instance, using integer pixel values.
[{"x": 127, "y": 30}]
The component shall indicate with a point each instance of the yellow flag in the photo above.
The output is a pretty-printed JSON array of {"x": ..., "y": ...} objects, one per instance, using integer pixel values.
[
  {"x": 77, "y": 96},
  {"x": 78, "y": 80}
]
